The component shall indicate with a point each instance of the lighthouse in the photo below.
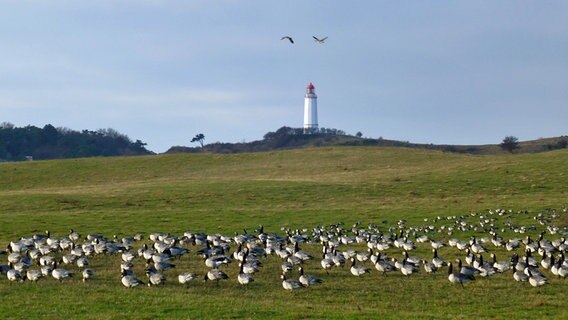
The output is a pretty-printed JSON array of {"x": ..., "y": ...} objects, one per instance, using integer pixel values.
[{"x": 310, "y": 110}]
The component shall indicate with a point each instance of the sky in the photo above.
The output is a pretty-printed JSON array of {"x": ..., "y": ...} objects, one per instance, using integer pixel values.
[{"x": 442, "y": 72}]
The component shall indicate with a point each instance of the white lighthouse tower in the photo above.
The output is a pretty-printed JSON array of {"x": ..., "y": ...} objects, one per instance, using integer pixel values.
[{"x": 310, "y": 110}]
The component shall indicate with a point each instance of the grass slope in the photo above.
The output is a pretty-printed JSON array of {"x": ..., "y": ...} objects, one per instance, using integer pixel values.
[{"x": 296, "y": 189}]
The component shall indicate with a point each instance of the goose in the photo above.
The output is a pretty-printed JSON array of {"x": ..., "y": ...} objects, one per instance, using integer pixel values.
[
  {"x": 163, "y": 266},
  {"x": 127, "y": 256},
  {"x": 429, "y": 267},
  {"x": 155, "y": 278},
  {"x": 59, "y": 273},
  {"x": 290, "y": 284},
  {"x": 318, "y": 40},
  {"x": 216, "y": 261},
  {"x": 288, "y": 38},
  {"x": 466, "y": 270},
  {"x": 46, "y": 260},
  {"x": 88, "y": 274},
  {"x": 74, "y": 236},
  {"x": 14, "y": 275},
  {"x": 358, "y": 270},
  {"x": 519, "y": 275},
  {"x": 458, "y": 278},
  {"x": 437, "y": 261},
  {"x": 287, "y": 266},
  {"x": 485, "y": 269},
  {"x": 307, "y": 279},
  {"x": 130, "y": 281},
  {"x": 326, "y": 263},
  {"x": 561, "y": 271},
  {"x": 535, "y": 279},
  {"x": 414, "y": 260},
  {"x": 500, "y": 266},
  {"x": 301, "y": 254},
  {"x": 547, "y": 261},
  {"x": 476, "y": 247},
  {"x": 186, "y": 278},
  {"x": 82, "y": 262},
  {"x": 216, "y": 275},
  {"x": 33, "y": 275},
  {"x": 407, "y": 268},
  {"x": 383, "y": 266},
  {"x": 244, "y": 278},
  {"x": 437, "y": 244}
]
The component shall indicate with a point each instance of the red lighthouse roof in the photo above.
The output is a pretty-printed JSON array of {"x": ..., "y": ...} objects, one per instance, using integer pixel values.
[{"x": 310, "y": 86}]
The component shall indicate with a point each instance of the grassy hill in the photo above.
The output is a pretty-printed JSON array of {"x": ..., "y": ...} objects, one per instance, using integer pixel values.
[
  {"x": 301, "y": 188},
  {"x": 293, "y": 140}
]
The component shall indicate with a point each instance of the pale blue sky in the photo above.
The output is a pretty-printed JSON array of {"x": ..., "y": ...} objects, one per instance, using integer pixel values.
[{"x": 444, "y": 72}]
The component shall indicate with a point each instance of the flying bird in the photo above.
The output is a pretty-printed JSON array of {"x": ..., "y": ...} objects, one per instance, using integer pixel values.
[
  {"x": 288, "y": 38},
  {"x": 322, "y": 40}
]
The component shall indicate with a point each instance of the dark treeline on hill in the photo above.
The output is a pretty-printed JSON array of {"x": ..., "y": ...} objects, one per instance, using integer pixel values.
[
  {"x": 290, "y": 138},
  {"x": 31, "y": 142}
]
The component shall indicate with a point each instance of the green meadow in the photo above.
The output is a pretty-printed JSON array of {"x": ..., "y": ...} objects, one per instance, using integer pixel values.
[{"x": 295, "y": 189}]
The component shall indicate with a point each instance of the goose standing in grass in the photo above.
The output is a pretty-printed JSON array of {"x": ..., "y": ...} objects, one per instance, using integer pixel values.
[
  {"x": 290, "y": 284},
  {"x": 519, "y": 275},
  {"x": 186, "y": 278},
  {"x": 82, "y": 262},
  {"x": 215, "y": 275},
  {"x": 458, "y": 278},
  {"x": 244, "y": 278},
  {"x": 500, "y": 266},
  {"x": 130, "y": 281},
  {"x": 307, "y": 279},
  {"x": 358, "y": 270},
  {"x": 60, "y": 273},
  {"x": 466, "y": 270},
  {"x": 326, "y": 263},
  {"x": 429, "y": 267},
  {"x": 155, "y": 278},
  {"x": 33, "y": 275},
  {"x": 535, "y": 279},
  {"x": 437, "y": 261},
  {"x": 382, "y": 265},
  {"x": 14, "y": 275},
  {"x": 407, "y": 268},
  {"x": 88, "y": 274}
]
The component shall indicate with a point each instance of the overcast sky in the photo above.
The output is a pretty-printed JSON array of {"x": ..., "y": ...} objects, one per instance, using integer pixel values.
[{"x": 443, "y": 72}]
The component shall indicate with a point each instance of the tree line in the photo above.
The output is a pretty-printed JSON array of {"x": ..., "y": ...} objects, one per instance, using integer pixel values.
[{"x": 31, "y": 142}]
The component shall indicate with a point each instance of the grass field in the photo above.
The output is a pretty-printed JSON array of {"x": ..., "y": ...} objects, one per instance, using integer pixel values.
[{"x": 295, "y": 189}]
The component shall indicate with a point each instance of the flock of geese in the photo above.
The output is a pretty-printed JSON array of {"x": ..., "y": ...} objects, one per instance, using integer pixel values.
[{"x": 357, "y": 248}]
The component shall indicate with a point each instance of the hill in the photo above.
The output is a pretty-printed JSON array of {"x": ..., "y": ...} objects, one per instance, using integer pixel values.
[
  {"x": 297, "y": 190},
  {"x": 292, "y": 138}
]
